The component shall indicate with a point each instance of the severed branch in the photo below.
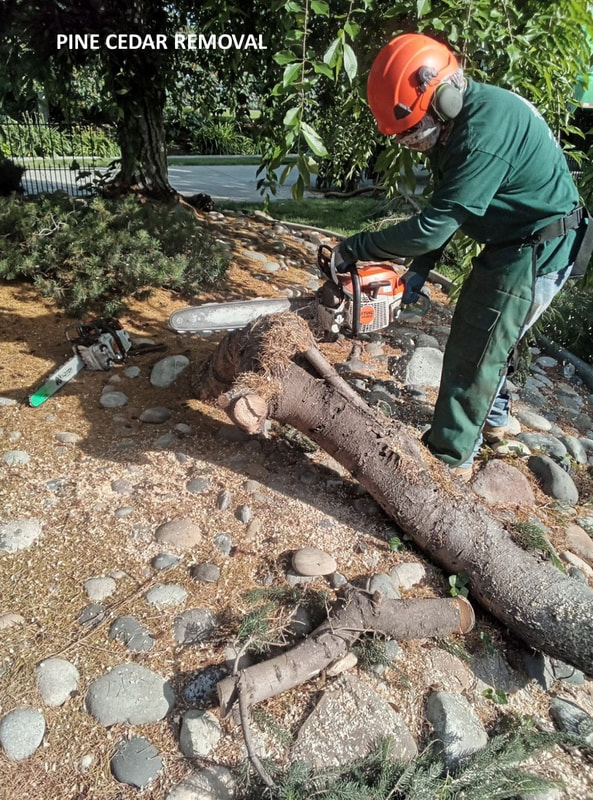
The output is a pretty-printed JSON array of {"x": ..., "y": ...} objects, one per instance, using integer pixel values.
[{"x": 355, "y": 613}]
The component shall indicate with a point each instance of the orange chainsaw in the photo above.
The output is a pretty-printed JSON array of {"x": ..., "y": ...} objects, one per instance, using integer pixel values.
[{"x": 365, "y": 299}]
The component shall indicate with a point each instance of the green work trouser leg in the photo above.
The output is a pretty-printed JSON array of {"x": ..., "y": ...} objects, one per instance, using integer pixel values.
[{"x": 492, "y": 308}]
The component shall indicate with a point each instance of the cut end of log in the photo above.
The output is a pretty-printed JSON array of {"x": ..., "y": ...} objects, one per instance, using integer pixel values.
[{"x": 467, "y": 618}]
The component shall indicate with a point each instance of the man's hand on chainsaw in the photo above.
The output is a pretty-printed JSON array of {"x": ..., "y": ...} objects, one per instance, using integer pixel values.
[
  {"x": 339, "y": 263},
  {"x": 413, "y": 283}
]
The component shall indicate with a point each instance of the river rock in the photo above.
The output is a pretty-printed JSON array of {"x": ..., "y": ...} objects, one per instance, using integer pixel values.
[
  {"x": 347, "y": 723},
  {"x": 533, "y": 420},
  {"x": 129, "y": 693},
  {"x": 166, "y": 594},
  {"x": 136, "y": 762},
  {"x": 10, "y": 620},
  {"x": 21, "y": 733},
  {"x": 408, "y": 574},
  {"x": 155, "y": 416},
  {"x": 546, "y": 442},
  {"x": 57, "y": 679},
  {"x": 424, "y": 367},
  {"x": 212, "y": 783},
  {"x": 554, "y": 481},
  {"x": 309, "y": 561},
  {"x": 579, "y": 541},
  {"x": 113, "y": 399},
  {"x": 499, "y": 483},
  {"x": 181, "y": 533},
  {"x": 167, "y": 370},
  {"x": 99, "y": 587},
  {"x": 193, "y": 626},
  {"x": 200, "y": 733},
  {"x": 165, "y": 561},
  {"x": 128, "y": 631},
  {"x": 572, "y": 718},
  {"x": 16, "y": 458},
  {"x": 19, "y": 534},
  {"x": 457, "y": 728}
]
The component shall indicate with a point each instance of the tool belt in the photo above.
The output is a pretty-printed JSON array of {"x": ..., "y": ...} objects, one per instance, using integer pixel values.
[{"x": 579, "y": 218}]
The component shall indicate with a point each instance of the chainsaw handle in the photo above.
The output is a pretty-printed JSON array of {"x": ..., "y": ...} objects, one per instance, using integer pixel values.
[{"x": 416, "y": 311}]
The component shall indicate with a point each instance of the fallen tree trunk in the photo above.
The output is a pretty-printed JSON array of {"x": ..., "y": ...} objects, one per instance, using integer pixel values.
[
  {"x": 356, "y": 613},
  {"x": 257, "y": 374}
]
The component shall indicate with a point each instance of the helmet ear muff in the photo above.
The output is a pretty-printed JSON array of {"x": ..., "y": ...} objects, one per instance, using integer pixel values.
[{"x": 447, "y": 102}]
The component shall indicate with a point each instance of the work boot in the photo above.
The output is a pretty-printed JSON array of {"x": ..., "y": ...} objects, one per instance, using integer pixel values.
[
  {"x": 463, "y": 474},
  {"x": 493, "y": 434}
]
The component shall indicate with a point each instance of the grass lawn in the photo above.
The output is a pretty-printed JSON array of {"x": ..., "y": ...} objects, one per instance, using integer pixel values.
[{"x": 345, "y": 217}]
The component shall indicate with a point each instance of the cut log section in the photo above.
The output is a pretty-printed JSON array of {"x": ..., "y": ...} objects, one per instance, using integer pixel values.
[
  {"x": 268, "y": 360},
  {"x": 356, "y": 613}
]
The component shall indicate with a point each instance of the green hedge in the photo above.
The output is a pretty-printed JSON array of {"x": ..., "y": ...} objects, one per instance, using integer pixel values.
[{"x": 89, "y": 255}]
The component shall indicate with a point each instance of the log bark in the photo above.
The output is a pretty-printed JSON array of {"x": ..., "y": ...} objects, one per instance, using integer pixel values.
[
  {"x": 537, "y": 602},
  {"x": 355, "y": 614}
]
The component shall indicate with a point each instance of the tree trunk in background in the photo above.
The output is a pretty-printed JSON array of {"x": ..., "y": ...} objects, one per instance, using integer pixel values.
[{"x": 254, "y": 374}]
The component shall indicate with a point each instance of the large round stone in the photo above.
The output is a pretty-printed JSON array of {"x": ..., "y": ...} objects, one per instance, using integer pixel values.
[
  {"x": 57, "y": 679},
  {"x": 136, "y": 762},
  {"x": 310, "y": 561},
  {"x": 182, "y": 533},
  {"x": 129, "y": 693},
  {"x": 21, "y": 733}
]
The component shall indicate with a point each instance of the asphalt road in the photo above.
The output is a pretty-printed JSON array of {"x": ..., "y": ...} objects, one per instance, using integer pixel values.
[{"x": 233, "y": 182}]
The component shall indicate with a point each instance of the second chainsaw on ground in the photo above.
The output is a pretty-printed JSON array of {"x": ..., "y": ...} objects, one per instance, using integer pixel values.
[{"x": 365, "y": 299}]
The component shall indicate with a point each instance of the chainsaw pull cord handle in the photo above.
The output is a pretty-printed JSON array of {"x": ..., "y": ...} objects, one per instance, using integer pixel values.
[{"x": 356, "y": 301}]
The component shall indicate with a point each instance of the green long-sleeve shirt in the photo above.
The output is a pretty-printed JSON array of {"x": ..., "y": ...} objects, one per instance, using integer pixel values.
[{"x": 499, "y": 176}]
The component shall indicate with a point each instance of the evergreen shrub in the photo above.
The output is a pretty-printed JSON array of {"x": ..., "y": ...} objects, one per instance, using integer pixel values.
[{"x": 90, "y": 254}]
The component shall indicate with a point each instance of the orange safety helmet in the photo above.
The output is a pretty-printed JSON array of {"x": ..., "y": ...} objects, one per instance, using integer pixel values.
[{"x": 404, "y": 78}]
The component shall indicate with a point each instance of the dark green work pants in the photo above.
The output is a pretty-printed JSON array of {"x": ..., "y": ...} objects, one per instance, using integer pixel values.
[{"x": 491, "y": 310}]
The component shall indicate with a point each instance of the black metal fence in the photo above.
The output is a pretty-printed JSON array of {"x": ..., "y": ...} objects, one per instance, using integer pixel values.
[{"x": 69, "y": 158}]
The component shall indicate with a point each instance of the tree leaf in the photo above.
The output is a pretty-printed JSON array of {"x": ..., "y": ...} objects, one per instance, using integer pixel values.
[
  {"x": 284, "y": 57},
  {"x": 323, "y": 69},
  {"x": 291, "y": 73},
  {"x": 291, "y": 118},
  {"x": 332, "y": 53},
  {"x": 423, "y": 7},
  {"x": 320, "y": 7},
  {"x": 350, "y": 62},
  {"x": 313, "y": 140},
  {"x": 352, "y": 29}
]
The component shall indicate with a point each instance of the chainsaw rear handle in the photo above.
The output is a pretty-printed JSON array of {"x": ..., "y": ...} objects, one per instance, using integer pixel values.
[{"x": 416, "y": 311}]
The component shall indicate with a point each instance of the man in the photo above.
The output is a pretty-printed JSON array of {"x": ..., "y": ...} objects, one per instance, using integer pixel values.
[{"x": 501, "y": 178}]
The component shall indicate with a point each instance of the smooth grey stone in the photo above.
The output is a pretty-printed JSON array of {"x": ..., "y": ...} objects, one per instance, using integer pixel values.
[
  {"x": 567, "y": 673},
  {"x": 182, "y": 533},
  {"x": 199, "y": 734},
  {"x": 129, "y": 632},
  {"x": 533, "y": 420},
  {"x": 99, "y": 587},
  {"x": 383, "y": 584},
  {"x": 205, "y": 573},
  {"x": 198, "y": 485},
  {"x": 572, "y": 718},
  {"x": 165, "y": 561},
  {"x": 310, "y": 561},
  {"x": 300, "y": 622},
  {"x": 457, "y": 728},
  {"x": 122, "y": 486},
  {"x": 21, "y": 733},
  {"x": 424, "y": 367},
  {"x": 91, "y": 615},
  {"x": 193, "y": 626},
  {"x": 155, "y": 416},
  {"x": 347, "y": 724},
  {"x": 407, "y": 574},
  {"x": 136, "y": 762},
  {"x": 540, "y": 441},
  {"x": 166, "y": 440},
  {"x": 224, "y": 500},
  {"x": 337, "y": 580},
  {"x": 67, "y": 437},
  {"x": 538, "y": 667},
  {"x": 574, "y": 448},
  {"x": 57, "y": 679},
  {"x": 201, "y": 689},
  {"x": 129, "y": 693},
  {"x": 132, "y": 372},
  {"x": 244, "y": 514},
  {"x": 16, "y": 458},
  {"x": 547, "y": 362},
  {"x": 113, "y": 399},
  {"x": 166, "y": 594},
  {"x": 167, "y": 370},
  {"x": 123, "y": 512},
  {"x": 223, "y": 544},
  {"x": 19, "y": 534},
  {"x": 212, "y": 783},
  {"x": 554, "y": 481},
  {"x": 7, "y": 401}
]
